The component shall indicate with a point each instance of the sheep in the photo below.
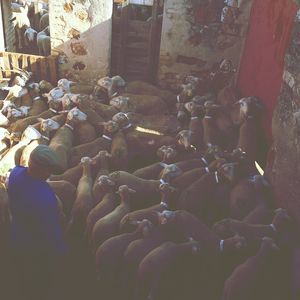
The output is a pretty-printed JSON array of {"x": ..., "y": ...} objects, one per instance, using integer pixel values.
[
  {"x": 253, "y": 279},
  {"x": 62, "y": 141},
  {"x": 44, "y": 42},
  {"x": 84, "y": 201},
  {"x": 30, "y": 36},
  {"x": 119, "y": 152},
  {"x": 143, "y": 104},
  {"x": 20, "y": 22},
  {"x": 38, "y": 105},
  {"x": 46, "y": 126},
  {"x": 157, "y": 262},
  {"x": 66, "y": 193},
  {"x": 106, "y": 204},
  {"x": 247, "y": 195},
  {"x": 149, "y": 213},
  {"x": 107, "y": 87},
  {"x": 153, "y": 171},
  {"x": 144, "y": 88},
  {"x": 109, "y": 257},
  {"x": 92, "y": 148},
  {"x": 135, "y": 253},
  {"x": 44, "y": 22},
  {"x": 73, "y": 175},
  {"x": 108, "y": 226},
  {"x": 165, "y": 124},
  {"x": 250, "y": 139},
  {"x": 195, "y": 125},
  {"x": 8, "y": 160},
  {"x": 201, "y": 197},
  {"x": 229, "y": 227}
]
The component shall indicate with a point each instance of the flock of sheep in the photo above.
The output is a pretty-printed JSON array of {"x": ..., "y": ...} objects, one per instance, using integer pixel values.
[
  {"x": 31, "y": 22},
  {"x": 160, "y": 191}
]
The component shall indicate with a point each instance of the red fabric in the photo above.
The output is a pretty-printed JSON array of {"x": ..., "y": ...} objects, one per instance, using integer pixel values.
[{"x": 262, "y": 64}]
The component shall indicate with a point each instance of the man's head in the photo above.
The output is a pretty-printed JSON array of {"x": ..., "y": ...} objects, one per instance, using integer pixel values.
[{"x": 43, "y": 162}]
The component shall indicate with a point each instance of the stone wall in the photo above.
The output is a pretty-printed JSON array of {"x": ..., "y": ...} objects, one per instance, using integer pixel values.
[
  {"x": 284, "y": 160},
  {"x": 81, "y": 35},
  {"x": 194, "y": 38}
]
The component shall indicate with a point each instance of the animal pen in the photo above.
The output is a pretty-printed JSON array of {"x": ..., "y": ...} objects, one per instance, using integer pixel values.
[{"x": 41, "y": 67}]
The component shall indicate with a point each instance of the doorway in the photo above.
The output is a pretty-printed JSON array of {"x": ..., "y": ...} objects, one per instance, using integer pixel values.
[{"x": 136, "y": 35}]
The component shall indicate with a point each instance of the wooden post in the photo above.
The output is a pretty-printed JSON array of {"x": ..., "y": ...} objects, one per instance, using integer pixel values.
[
  {"x": 152, "y": 65},
  {"x": 123, "y": 40}
]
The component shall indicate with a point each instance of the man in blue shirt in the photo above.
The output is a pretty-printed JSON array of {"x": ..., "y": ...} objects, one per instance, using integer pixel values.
[{"x": 36, "y": 235}]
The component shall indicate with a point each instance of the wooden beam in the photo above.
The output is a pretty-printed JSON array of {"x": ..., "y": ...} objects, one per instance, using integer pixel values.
[
  {"x": 153, "y": 40},
  {"x": 123, "y": 40}
]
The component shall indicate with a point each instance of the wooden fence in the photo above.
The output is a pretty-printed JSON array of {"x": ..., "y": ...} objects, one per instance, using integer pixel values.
[{"x": 42, "y": 67}]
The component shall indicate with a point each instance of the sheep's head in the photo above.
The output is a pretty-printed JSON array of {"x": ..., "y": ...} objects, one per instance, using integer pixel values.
[
  {"x": 45, "y": 86},
  {"x": 182, "y": 113},
  {"x": 30, "y": 133},
  {"x": 281, "y": 219},
  {"x": 105, "y": 183},
  {"x": 48, "y": 125},
  {"x": 7, "y": 104},
  {"x": 187, "y": 92},
  {"x": 76, "y": 115},
  {"x": 213, "y": 152},
  {"x": 232, "y": 244},
  {"x": 238, "y": 155},
  {"x": 30, "y": 36},
  {"x": 121, "y": 103},
  {"x": 67, "y": 101},
  {"x": 14, "y": 113},
  {"x": 65, "y": 84},
  {"x": 230, "y": 171},
  {"x": 226, "y": 66},
  {"x": 166, "y": 153},
  {"x": 170, "y": 172},
  {"x": 166, "y": 217},
  {"x": 211, "y": 107},
  {"x": 166, "y": 188},
  {"x": 54, "y": 95},
  {"x": 194, "y": 109},
  {"x": 124, "y": 190},
  {"x": 122, "y": 119},
  {"x": 250, "y": 107},
  {"x": 110, "y": 127},
  {"x": 184, "y": 139},
  {"x": 111, "y": 85},
  {"x": 145, "y": 227},
  {"x": 86, "y": 161}
]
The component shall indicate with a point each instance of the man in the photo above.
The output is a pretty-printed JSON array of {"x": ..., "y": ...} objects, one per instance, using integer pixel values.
[{"x": 36, "y": 234}]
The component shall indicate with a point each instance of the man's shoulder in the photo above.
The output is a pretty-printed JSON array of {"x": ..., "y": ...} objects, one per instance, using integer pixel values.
[{"x": 17, "y": 172}]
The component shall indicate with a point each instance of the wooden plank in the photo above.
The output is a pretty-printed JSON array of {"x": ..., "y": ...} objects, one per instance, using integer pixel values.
[
  {"x": 34, "y": 67},
  {"x": 43, "y": 69},
  {"x": 123, "y": 39},
  {"x": 6, "y": 63},
  {"x": 153, "y": 40},
  {"x": 15, "y": 60},
  {"x": 53, "y": 69},
  {"x": 25, "y": 63}
]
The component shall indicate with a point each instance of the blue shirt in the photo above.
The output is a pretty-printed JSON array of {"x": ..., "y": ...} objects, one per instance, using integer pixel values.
[{"x": 35, "y": 214}]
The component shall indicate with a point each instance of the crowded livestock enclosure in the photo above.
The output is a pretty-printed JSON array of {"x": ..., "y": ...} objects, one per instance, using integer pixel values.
[{"x": 126, "y": 187}]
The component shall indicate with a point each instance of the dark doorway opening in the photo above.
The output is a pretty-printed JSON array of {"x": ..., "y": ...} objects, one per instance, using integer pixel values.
[{"x": 136, "y": 39}]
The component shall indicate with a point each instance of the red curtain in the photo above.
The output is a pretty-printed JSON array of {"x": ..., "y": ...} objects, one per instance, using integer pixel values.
[{"x": 262, "y": 65}]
